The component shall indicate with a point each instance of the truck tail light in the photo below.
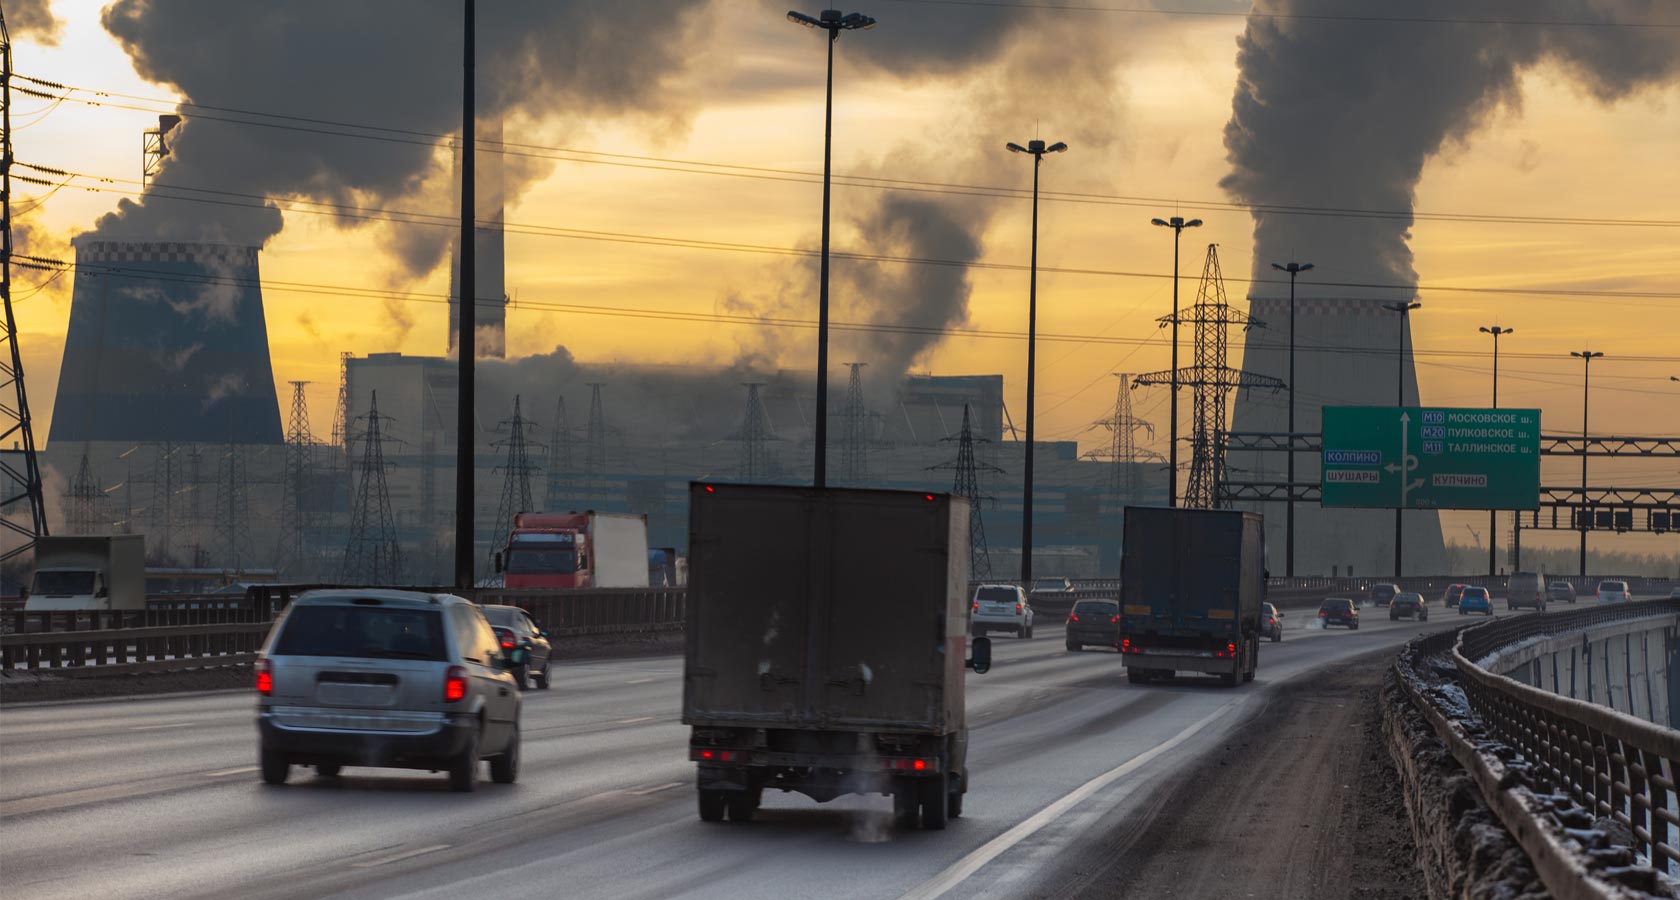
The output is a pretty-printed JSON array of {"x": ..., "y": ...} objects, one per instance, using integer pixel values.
[
  {"x": 1126, "y": 645},
  {"x": 912, "y": 764},
  {"x": 454, "y": 684},
  {"x": 1113, "y": 620},
  {"x": 708, "y": 755},
  {"x": 265, "y": 677},
  {"x": 1231, "y": 649}
]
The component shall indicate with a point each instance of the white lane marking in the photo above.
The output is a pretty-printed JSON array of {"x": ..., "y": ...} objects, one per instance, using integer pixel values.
[
  {"x": 398, "y": 857},
  {"x": 161, "y": 727},
  {"x": 657, "y": 788},
  {"x": 957, "y": 872},
  {"x": 641, "y": 680},
  {"x": 636, "y": 721},
  {"x": 226, "y": 772}
]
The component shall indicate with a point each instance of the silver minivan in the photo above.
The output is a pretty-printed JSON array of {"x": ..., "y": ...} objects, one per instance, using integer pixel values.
[{"x": 386, "y": 678}]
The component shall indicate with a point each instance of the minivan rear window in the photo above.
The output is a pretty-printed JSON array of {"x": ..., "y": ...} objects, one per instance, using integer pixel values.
[
  {"x": 367, "y": 632},
  {"x": 996, "y": 594}
]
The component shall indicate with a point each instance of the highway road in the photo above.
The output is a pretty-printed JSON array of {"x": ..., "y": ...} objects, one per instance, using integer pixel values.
[{"x": 159, "y": 796}]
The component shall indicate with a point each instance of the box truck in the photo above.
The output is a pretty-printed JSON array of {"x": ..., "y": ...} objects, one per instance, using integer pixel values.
[
  {"x": 575, "y": 550},
  {"x": 88, "y": 572}
]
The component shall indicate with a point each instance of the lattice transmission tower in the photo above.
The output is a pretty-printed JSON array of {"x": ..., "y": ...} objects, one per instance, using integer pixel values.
[
  {"x": 83, "y": 501},
  {"x": 854, "y": 431},
  {"x": 372, "y": 554},
  {"x": 595, "y": 450},
  {"x": 23, "y": 510},
  {"x": 558, "y": 485},
  {"x": 233, "y": 509},
  {"x": 293, "y": 555},
  {"x": 516, "y": 474},
  {"x": 160, "y": 533},
  {"x": 1123, "y": 452},
  {"x": 967, "y": 484},
  {"x": 1211, "y": 379},
  {"x": 755, "y": 436}
]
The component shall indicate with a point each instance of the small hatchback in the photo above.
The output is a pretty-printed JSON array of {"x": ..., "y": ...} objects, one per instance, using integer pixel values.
[
  {"x": 1002, "y": 607},
  {"x": 1475, "y": 599},
  {"x": 386, "y": 678},
  {"x": 1560, "y": 592},
  {"x": 1410, "y": 605},
  {"x": 1093, "y": 623},
  {"x": 1614, "y": 592},
  {"x": 1383, "y": 594},
  {"x": 1339, "y": 611}
]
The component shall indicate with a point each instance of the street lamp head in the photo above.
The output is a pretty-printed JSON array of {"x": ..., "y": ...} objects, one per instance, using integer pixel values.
[
  {"x": 799, "y": 18},
  {"x": 1279, "y": 268},
  {"x": 1017, "y": 148},
  {"x": 1586, "y": 354},
  {"x": 1162, "y": 222},
  {"x": 857, "y": 22},
  {"x": 1035, "y": 147},
  {"x": 1058, "y": 147},
  {"x": 1403, "y": 308},
  {"x": 1193, "y": 223},
  {"x": 1306, "y": 267}
]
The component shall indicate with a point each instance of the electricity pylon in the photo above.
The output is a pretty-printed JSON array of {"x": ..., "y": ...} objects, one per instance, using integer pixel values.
[
  {"x": 967, "y": 484},
  {"x": 372, "y": 555},
  {"x": 516, "y": 474},
  {"x": 755, "y": 436},
  {"x": 854, "y": 434}
]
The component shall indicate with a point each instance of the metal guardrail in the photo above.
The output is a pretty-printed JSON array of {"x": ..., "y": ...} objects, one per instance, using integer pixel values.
[
  {"x": 1580, "y": 760},
  {"x": 133, "y": 650}
]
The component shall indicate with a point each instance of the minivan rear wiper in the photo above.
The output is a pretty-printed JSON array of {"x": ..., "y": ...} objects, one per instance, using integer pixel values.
[{"x": 383, "y": 653}]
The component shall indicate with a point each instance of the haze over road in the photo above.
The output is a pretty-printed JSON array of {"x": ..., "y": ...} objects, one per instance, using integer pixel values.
[{"x": 160, "y": 797}]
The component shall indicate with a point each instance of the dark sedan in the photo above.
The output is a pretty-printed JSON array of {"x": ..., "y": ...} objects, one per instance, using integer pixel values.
[
  {"x": 516, "y": 630},
  {"x": 1339, "y": 611},
  {"x": 1410, "y": 605},
  {"x": 1093, "y": 623},
  {"x": 1450, "y": 598},
  {"x": 1271, "y": 622}
]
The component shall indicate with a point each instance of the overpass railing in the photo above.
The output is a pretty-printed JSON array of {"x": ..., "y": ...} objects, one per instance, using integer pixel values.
[{"x": 1582, "y": 763}]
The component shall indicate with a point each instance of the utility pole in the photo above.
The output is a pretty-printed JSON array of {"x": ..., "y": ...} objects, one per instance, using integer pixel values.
[
  {"x": 1583, "y": 517},
  {"x": 1177, "y": 224},
  {"x": 27, "y": 477},
  {"x": 1405, "y": 311},
  {"x": 1293, "y": 269},
  {"x": 466, "y": 349},
  {"x": 1493, "y": 520}
]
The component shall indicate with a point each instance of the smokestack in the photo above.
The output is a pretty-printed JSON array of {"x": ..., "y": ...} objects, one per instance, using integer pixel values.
[{"x": 490, "y": 271}]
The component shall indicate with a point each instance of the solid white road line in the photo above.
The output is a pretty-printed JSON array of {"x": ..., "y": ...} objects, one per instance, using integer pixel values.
[
  {"x": 636, "y": 721},
  {"x": 957, "y": 872},
  {"x": 243, "y": 770},
  {"x": 398, "y": 857},
  {"x": 161, "y": 727},
  {"x": 641, "y": 681}
]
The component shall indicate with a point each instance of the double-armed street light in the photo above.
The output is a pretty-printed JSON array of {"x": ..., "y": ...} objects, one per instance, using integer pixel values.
[
  {"x": 1405, "y": 311},
  {"x": 834, "y": 22},
  {"x": 1037, "y": 149},
  {"x": 1177, "y": 224},
  {"x": 1586, "y": 357},
  {"x": 1294, "y": 269},
  {"x": 1493, "y": 530}
]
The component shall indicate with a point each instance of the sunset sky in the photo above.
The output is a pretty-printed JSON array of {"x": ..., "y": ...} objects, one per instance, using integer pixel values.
[{"x": 1142, "y": 97}]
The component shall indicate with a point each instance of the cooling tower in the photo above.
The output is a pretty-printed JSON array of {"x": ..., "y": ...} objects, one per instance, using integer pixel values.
[
  {"x": 167, "y": 342},
  {"x": 1344, "y": 356}
]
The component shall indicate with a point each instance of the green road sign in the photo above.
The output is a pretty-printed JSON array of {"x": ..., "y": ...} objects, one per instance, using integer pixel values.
[{"x": 1391, "y": 457}]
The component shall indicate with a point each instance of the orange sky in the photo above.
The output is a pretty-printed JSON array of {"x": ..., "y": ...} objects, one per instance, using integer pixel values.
[{"x": 1560, "y": 154}]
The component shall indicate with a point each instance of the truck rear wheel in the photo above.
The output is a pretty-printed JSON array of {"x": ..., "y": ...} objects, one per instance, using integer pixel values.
[
  {"x": 712, "y": 805},
  {"x": 742, "y": 805},
  {"x": 1139, "y": 676},
  {"x": 935, "y": 803},
  {"x": 906, "y": 799}
]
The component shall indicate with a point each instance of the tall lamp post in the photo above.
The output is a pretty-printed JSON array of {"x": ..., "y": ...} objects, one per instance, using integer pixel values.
[
  {"x": 1586, "y": 357},
  {"x": 834, "y": 22},
  {"x": 1293, "y": 269},
  {"x": 1405, "y": 311},
  {"x": 466, "y": 346},
  {"x": 1177, "y": 224},
  {"x": 1493, "y": 528},
  {"x": 1037, "y": 149}
]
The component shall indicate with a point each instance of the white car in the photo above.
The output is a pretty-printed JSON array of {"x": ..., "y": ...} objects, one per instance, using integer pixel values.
[
  {"x": 1674, "y": 594},
  {"x": 1613, "y": 592},
  {"x": 1002, "y": 607}
]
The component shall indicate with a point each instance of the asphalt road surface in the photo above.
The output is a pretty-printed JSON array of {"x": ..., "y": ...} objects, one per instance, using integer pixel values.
[{"x": 160, "y": 797}]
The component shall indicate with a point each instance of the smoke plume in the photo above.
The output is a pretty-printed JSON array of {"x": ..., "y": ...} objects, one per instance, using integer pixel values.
[
  {"x": 33, "y": 19},
  {"x": 380, "y": 63},
  {"x": 1341, "y": 113}
]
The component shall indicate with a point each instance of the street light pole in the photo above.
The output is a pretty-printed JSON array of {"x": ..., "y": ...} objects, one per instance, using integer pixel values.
[
  {"x": 1177, "y": 224},
  {"x": 1293, "y": 269},
  {"x": 1405, "y": 310},
  {"x": 1493, "y": 528},
  {"x": 832, "y": 21},
  {"x": 1586, "y": 357},
  {"x": 466, "y": 342},
  {"x": 1037, "y": 149}
]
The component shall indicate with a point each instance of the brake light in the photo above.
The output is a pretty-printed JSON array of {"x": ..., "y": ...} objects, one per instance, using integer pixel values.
[
  {"x": 1125, "y": 645},
  {"x": 506, "y": 637},
  {"x": 454, "y": 684},
  {"x": 1072, "y": 617},
  {"x": 1231, "y": 649},
  {"x": 1113, "y": 620},
  {"x": 1017, "y": 607},
  {"x": 919, "y": 765},
  {"x": 976, "y": 606},
  {"x": 265, "y": 677},
  {"x": 1322, "y": 614}
]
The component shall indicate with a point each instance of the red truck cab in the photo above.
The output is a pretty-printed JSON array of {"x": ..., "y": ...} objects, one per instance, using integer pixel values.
[{"x": 548, "y": 550}]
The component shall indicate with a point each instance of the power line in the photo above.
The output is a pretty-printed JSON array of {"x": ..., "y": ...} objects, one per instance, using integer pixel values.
[
  {"x": 799, "y": 176},
  {"x": 1318, "y": 17}
]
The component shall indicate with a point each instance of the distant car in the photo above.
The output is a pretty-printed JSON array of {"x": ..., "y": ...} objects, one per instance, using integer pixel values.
[
  {"x": 518, "y": 632},
  {"x": 1450, "y": 598},
  {"x": 386, "y": 678},
  {"x": 1408, "y": 604},
  {"x": 1271, "y": 622},
  {"x": 1475, "y": 599},
  {"x": 1674, "y": 594},
  {"x": 1045, "y": 588},
  {"x": 1614, "y": 592},
  {"x": 1094, "y": 622},
  {"x": 1339, "y": 611},
  {"x": 1002, "y": 607},
  {"x": 1526, "y": 589},
  {"x": 1383, "y": 594},
  {"x": 1560, "y": 592}
]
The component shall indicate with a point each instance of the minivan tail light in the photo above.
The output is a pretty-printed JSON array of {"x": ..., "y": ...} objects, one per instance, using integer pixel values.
[
  {"x": 265, "y": 677},
  {"x": 454, "y": 684},
  {"x": 1017, "y": 607}
]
